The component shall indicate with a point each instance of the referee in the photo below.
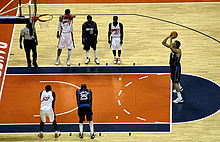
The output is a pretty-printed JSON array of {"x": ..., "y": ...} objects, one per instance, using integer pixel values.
[{"x": 30, "y": 43}]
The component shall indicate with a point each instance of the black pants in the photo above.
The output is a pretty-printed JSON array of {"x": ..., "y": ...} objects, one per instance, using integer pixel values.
[{"x": 28, "y": 46}]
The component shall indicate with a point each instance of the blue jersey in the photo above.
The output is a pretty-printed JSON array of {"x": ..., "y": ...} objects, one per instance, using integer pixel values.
[
  {"x": 174, "y": 60},
  {"x": 84, "y": 98}
]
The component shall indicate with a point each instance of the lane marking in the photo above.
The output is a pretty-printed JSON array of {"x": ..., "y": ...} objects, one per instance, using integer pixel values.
[
  {"x": 142, "y": 77},
  {"x": 119, "y": 92},
  {"x": 141, "y": 118},
  {"x": 119, "y": 103},
  {"x": 128, "y": 84},
  {"x": 126, "y": 111}
]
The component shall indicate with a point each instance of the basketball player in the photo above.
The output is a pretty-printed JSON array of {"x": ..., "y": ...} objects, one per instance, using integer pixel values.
[
  {"x": 47, "y": 98},
  {"x": 30, "y": 43},
  {"x": 89, "y": 38},
  {"x": 84, "y": 101},
  {"x": 65, "y": 34},
  {"x": 175, "y": 66},
  {"x": 115, "y": 38}
]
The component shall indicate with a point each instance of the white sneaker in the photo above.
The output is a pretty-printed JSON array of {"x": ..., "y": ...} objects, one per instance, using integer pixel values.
[
  {"x": 68, "y": 62},
  {"x": 178, "y": 100},
  {"x": 97, "y": 61},
  {"x": 87, "y": 61},
  {"x": 174, "y": 91},
  {"x": 41, "y": 135},
  {"x": 115, "y": 61},
  {"x": 57, "y": 134},
  {"x": 58, "y": 62},
  {"x": 118, "y": 61}
]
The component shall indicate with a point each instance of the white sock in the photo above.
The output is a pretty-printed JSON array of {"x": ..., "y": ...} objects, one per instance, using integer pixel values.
[
  {"x": 81, "y": 128},
  {"x": 95, "y": 53},
  {"x": 179, "y": 95},
  {"x": 179, "y": 85},
  {"x": 87, "y": 53},
  {"x": 69, "y": 54},
  {"x": 91, "y": 127}
]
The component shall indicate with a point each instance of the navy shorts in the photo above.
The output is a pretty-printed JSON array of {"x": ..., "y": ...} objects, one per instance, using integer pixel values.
[
  {"x": 175, "y": 73},
  {"x": 85, "y": 111}
]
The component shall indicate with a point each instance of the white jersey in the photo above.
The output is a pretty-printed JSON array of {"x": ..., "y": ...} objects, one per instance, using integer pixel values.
[
  {"x": 115, "y": 30},
  {"x": 46, "y": 100},
  {"x": 67, "y": 25}
]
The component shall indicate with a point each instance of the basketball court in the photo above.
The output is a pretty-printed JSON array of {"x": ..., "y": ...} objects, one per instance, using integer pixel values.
[{"x": 134, "y": 97}]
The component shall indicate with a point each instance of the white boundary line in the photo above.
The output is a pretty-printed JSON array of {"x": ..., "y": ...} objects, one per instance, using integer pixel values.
[
  {"x": 128, "y": 84},
  {"x": 134, "y": 3},
  {"x": 83, "y": 123},
  {"x": 208, "y": 115},
  {"x": 6, "y": 65},
  {"x": 6, "y": 5},
  {"x": 88, "y": 74}
]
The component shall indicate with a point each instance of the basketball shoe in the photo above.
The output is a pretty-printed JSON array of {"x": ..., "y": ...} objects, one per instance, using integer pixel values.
[
  {"x": 57, "y": 134},
  {"x": 81, "y": 135},
  {"x": 118, "y": 61},
  {"x": 68, "y": 62},
  {"x": 178, "y": 100},
  {"x": 97, "y": 61},
  {"x": 41, "y": 135},
  {"x": 93, "y": 136},
  {"x": 87, "y": 61}
]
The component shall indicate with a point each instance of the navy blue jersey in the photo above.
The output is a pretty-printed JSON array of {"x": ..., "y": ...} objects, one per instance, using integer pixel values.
[
  {"x": 174, "y": 60},
  {"x": 90, "y": 30},
  {"x": 84, "y": 98}
]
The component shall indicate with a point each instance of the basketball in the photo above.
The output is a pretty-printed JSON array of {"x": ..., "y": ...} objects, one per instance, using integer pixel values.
[{"x": 174, "y": 33}]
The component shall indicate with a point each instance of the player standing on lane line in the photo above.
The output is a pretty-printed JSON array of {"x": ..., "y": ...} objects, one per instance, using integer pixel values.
[
  {"x": 47, "y": 98},
  {"x": 89, "y": 38},
  {"x": 65, "y": 35},
  {"x": 115, "y": 38},
  {"x": 84, "y": 101}
]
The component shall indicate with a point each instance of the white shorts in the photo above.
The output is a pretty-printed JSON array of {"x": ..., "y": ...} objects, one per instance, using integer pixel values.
[
  {"x": 66, "y": 39},
  {"x": 116, "y": 44},
  {"x": 48, "y": 113}
]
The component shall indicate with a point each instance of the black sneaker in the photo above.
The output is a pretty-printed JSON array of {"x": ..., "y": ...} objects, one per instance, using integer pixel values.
[
  {"x": 81, "y": 135},
  {"x": 35, "y": 65},
  {"x": 93, "y": 136}
]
